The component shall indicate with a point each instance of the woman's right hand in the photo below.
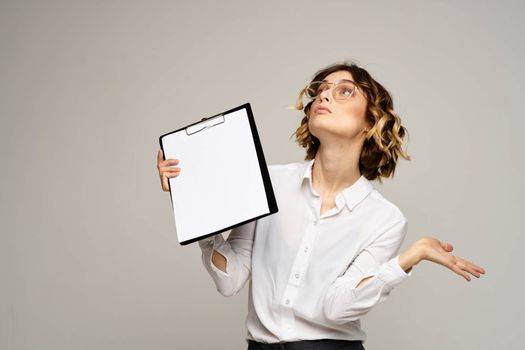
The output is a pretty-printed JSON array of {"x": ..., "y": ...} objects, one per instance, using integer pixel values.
[{"x": 166, "y": 169}]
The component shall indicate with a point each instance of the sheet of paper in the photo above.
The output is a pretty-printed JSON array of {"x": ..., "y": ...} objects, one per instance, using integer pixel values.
[{"x": 220, "y": 182}]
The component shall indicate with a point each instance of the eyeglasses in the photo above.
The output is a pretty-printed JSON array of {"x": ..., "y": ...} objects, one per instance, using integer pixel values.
[{"x": 341, "y": 91}]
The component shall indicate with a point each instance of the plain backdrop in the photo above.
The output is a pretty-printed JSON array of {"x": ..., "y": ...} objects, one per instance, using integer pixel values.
[{"x": 88, "y": 253}]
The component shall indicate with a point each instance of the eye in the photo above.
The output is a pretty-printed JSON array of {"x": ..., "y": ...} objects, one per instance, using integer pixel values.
[
  {"x": 345, "y": 91},
  {"x": 348, "y": 92}
]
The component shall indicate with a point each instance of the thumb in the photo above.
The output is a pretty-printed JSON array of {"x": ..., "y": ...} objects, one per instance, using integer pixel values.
[
  {"x": 160, "y": 156},
  {"x": 447, "y": 246}
]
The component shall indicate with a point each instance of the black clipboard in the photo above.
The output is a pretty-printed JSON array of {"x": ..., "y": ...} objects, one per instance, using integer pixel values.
[{"x": 231, "y": 136}]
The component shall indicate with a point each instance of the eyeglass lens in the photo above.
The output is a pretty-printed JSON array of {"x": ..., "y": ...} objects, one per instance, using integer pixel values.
[{"x": 341, "y": 91}]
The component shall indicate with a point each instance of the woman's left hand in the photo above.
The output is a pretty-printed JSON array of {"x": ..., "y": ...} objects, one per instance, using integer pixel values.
[{"x": 433, "y": 250}]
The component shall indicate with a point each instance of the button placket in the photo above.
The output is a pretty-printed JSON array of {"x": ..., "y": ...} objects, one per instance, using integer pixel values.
[
  {"x": 287, "y": 316},
  {"x": 300, "y": 264},
  {"x": 297, "y": 273}
]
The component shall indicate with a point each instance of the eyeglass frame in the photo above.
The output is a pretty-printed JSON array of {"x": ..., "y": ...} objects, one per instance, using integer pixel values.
[{"x": 335, "y": 84}]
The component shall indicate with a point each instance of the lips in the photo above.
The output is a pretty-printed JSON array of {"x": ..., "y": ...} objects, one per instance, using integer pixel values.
[{"x": 322, "y": 109}]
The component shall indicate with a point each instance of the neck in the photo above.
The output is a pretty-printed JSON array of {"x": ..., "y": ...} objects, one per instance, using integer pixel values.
[{"x": 335, "y": 169}]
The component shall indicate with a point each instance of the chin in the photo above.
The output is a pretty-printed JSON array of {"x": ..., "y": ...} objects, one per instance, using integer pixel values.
[
  {"x": 320, "y": 124},
  {"x": 331, "y": 133}
]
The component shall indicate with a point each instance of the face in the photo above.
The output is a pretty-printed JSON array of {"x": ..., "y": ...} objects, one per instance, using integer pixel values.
[{"x": 345, "y": 120}]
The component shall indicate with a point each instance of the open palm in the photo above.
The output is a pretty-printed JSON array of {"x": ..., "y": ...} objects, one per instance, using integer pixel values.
[{"x": 441, "y": 253}]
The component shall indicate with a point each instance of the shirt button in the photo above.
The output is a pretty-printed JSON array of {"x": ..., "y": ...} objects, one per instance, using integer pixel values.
[
  {"x": 297, "y": 275},
  {"x": 287, "y": 301},
  {"x": 306, "y": 249},
  {"x": 315, "y": 222},
  {"x": 210, "y": 243}
]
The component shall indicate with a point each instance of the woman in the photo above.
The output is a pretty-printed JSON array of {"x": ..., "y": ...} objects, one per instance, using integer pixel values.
[{"x": 331, "y": 252}]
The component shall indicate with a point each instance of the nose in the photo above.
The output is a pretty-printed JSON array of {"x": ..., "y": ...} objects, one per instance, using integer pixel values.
[{"x": 325, "y": 95}]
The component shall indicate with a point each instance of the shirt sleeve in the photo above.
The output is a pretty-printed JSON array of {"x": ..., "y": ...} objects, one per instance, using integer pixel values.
[
  {"x": 344, "y": 302},
  {"x": 237, "y": 250}
]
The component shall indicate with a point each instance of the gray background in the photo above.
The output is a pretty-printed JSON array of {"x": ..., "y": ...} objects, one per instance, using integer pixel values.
[{"x": 88, "y": 253}]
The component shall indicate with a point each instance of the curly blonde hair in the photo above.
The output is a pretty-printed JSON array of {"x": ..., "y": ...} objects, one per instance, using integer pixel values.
[{"x": 382, "y": 145}]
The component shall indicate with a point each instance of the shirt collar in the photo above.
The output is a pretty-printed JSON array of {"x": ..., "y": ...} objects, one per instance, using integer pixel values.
[{"x": 352, "y": 195}]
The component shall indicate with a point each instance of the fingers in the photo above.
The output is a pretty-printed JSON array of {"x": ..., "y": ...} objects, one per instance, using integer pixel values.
[
  {"x": 470, "y": 268},
  {"x": 455, "y": 265},
  {"x": 165, "y": 183},
  {"x": 440, "y": 252},
  {"x": 460, "y": 272},
  {"x": 170, "y": 173},
  {"x": 164, "y": 179},
  {"x": 169, "y": 167},
  {"x": 167, "y": 170},
  {"x": 461, "y": 267},
  {"x": 165, "y": 174},
  {"x": 466, "y": 268},
  {"x": 161, "y": 162},
  {"x": 475, "y": 267}
]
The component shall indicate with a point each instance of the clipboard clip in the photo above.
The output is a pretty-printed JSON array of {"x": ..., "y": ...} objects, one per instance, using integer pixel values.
[{"x": 205, "y": 123}]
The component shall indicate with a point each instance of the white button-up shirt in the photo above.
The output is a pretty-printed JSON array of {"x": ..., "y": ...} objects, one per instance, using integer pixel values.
[{"x": 304, "y": 267}]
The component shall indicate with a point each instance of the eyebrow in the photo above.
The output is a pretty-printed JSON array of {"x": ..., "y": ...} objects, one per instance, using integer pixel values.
[{"x": 351, "y": 81}]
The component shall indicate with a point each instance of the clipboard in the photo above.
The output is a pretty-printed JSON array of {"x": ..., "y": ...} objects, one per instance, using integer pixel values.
[{"x": 224, "y": 180}]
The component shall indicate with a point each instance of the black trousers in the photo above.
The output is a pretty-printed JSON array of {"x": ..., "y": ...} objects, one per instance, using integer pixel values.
[{"x": 321, "y": 344}]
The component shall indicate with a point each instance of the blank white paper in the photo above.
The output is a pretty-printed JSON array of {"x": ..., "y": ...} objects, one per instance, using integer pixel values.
[{"x": 220, "y": 183}]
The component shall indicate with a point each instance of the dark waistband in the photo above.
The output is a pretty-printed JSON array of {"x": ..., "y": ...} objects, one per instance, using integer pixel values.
[{"x": 319, "y": 344}]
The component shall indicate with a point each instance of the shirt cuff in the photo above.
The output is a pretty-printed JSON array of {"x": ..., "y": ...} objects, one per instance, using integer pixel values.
[
  {"x": 392, "y": 274},
  {"x": 214, "y": 243}
]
